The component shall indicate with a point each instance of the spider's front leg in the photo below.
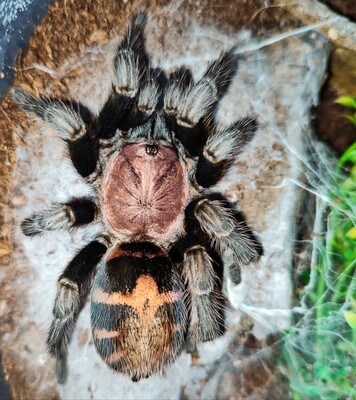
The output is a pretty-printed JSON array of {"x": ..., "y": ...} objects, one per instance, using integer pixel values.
[
  {"x": 135, "y": 89},
  {"x": 74, "y": 124},
  {"x": 72, "y": 289},
  {"x": 228, "y": 231},
  {"x": 191, "y": 106}
]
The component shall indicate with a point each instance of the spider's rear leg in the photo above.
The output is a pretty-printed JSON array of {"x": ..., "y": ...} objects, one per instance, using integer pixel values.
[
  {"x": 221, "y": 149},
  {"x": 73, "y": 122},
  {"x": 206, "y": 320},
  {"x": 130, "y": 64},
  {"x": 60, "y": 217},
  {"x": 196, "y": 103},
  {"x": 229, "y": 233},
  {"x": 202, "y": 278},
  {"x": 72, "y": 289}
]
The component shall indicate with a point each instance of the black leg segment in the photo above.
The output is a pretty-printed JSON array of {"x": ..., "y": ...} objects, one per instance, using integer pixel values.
[
  {"x": 193, "y": 105},
  {"x": 227, "y": 230},
  {"x": 84, "y": 153},
  {"x": 75, "y": 213},
  {"x": 221, "y": 149},
  {"x": 72, "y": 121},
  {"x": 130, "y": 64},
  {"x": 202, "y": 271},
  {"x": 71, "y": 293}
]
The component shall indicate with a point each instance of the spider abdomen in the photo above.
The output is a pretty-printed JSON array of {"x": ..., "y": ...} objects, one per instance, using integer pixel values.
[
  {"x": 144, "y": 191},
  {"x": 138, "y": 310}
]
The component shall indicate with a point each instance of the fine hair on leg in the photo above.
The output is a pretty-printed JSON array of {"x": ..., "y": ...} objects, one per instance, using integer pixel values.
[
  {"x": 205, "y": 310},
  {"x": 74, "y": 124},
  {"x": 66, "y": 216},
  {"x": 71, "y": 294},
  {"x": 194, "y": 104},
  {"x": 229, "y": 234},
  {"x": 130, "y": 65},
  {"x": 221, "y": 148}
]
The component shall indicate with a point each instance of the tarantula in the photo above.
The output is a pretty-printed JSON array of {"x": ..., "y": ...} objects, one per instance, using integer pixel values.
[{"x": 151, "y": 154}]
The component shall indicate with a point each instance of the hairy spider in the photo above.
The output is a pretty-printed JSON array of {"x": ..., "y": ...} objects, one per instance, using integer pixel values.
[{"x": 151, "y": 154}]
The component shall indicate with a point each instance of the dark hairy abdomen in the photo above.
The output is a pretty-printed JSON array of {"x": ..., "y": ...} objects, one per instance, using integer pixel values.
[{"x": 138, "y": 310}]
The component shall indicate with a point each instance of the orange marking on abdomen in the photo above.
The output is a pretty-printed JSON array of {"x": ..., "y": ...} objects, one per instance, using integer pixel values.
[
  {"x": 145, "y": 298},
  {"x": 104, "y": 334}
]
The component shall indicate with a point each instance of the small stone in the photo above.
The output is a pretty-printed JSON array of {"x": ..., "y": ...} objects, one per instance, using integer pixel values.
[
  {"x": 98, "y": 36},
  {"x": 333, "y": 34},
  {"x": 83, "y": 337},
  {"x": 277, "y": 146},
  {"x": 18, "y": 201},
  {"x": 5, "y": 249}
]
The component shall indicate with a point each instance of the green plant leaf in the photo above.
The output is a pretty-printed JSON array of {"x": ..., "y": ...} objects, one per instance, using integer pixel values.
[
  {"x": 350, "y": 318},
  {"x": 320, "y": 352},
  {"x": 351, "y": 233},
  {"x": 347, "y": 101},
  {"x": 349, "y": 155},
  {"x": 351, "y": 118},
  {"x": 307, "y": 390}
]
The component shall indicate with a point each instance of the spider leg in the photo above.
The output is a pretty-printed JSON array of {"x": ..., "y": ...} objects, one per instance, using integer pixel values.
[
  {"x": 221, "y": 149},
  {"x": 73, "y": 122},
  {"x": 71, "y": 293},
  {"x": 229, "y": 232},
  {"x": 131, "y": 68},
  {"x": 145, "y": 104},
  {"x": 205, "y": 311},
  {"x": 195, "y": 104},
  {"x": 178, "y": 85},
  {"x": 143, "y": 122},
  {"x": 202, "y": 280},
  {"x": 60, "y": 217}
]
